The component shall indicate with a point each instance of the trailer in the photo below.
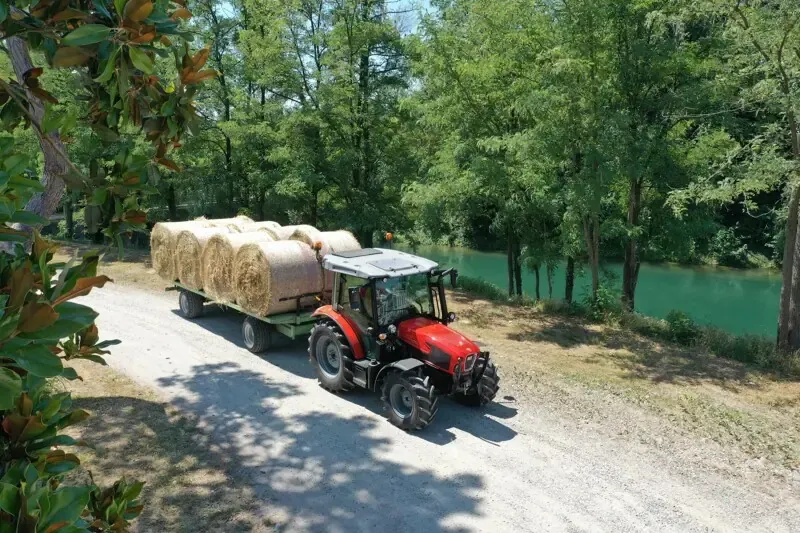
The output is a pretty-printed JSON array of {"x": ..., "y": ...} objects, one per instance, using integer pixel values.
[{"x": 257, "y": 331}]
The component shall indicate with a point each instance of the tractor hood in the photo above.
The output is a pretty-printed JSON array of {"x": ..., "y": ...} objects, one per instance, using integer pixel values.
[{"x": 426, "y": 334}]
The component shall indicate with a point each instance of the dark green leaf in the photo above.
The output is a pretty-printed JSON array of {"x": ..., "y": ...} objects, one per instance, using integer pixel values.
[
  {"x": 56, "y": 331},
  {"x": 10, "y": 388},
  {"x": 141, "y": 60},
  {"x": 38, "y": 360},
  {"x": 87, "y": 34},
  {"x": 9, "y": 498},
  {"x": 29, "y": 218}
]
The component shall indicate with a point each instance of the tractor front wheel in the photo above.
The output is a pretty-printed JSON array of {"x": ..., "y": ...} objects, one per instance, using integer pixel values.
[
  {"x": 484, "y": 390},
  {"x": 330, "y": 355},
  {"x": 410, "y": 400}
]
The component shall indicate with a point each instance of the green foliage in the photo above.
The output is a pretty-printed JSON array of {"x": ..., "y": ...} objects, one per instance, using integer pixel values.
[
  {"x": 681, "y": 327},
  {"x": 727, "y": 249},
  {"x": 110, "y": 50},
  {"x": 482, "y": 289},
  {"x": 604, "y": 305}
]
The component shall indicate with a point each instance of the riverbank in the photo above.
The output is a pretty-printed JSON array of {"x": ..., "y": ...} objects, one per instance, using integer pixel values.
[{"x": 678, "y": 327}]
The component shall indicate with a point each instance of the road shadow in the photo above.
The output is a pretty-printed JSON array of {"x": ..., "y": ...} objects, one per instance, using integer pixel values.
[{"x": 319, "y": 471}]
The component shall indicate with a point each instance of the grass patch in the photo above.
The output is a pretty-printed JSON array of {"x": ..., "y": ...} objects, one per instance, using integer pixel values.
[{"x": 677, "y": 327}]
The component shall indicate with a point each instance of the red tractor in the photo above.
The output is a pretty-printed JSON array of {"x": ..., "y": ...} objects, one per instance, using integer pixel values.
[{"x": 387, "y": 330}]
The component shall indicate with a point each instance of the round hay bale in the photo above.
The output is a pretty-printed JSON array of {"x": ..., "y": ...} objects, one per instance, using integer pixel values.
[
  {"x": 218, "y": 256},
  {"x": 189, "y": 254},
  {"x": 266, "y": 273},
  {"x": 330, "y": 241},
  {"x": 238, "y": 223},
  {"x": 260, "y": 226},
  {"x": 284, "y": 232},
  {"x": 163, "y": 241}
]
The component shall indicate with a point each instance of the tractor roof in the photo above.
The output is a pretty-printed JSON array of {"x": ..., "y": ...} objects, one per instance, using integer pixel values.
[{"x": 377, "y": 263}]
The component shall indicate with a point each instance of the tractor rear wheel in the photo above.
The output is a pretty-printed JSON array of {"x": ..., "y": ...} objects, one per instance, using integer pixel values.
[
  {"x": 256, "y": 334},
  {"x": 330, "y": 355},
  {"x": 484, "y": 390},
  {"x": 410, "y": 400},
  {"x": 191, "y": 304}
]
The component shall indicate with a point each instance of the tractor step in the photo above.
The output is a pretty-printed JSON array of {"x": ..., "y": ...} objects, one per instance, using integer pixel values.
[{"x": 364, "y": 372}]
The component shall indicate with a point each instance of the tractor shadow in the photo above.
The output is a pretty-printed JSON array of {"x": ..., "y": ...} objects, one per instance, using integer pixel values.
[{"x": 291, "y": 356}]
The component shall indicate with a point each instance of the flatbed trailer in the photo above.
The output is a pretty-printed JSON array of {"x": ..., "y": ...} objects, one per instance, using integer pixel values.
[{"x": 257, "y": 330}]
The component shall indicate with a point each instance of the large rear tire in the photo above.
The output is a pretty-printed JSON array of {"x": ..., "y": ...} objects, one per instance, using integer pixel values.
[
  {"x": 257, "y": 335},
  {"x": 191, "y": 304},
  {"x": 331, "y": 357},
  {"x": 410, "y": 400},
  {"x": 482, "y": 392}
]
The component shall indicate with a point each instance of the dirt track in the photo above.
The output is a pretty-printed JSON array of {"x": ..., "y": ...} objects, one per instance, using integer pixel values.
[{"x": 321, "y": 462}]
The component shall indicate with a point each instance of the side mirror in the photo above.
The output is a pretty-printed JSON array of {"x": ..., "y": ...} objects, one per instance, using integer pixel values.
[
  {"x": 355, "y": 301},
  {"x": 451, "y": 317},
  {"x": 453, "y": 278}
]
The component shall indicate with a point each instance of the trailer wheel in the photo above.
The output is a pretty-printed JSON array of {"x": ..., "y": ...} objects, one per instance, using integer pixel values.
[
  {"x": 330, "y": 356},
  {"x": 191, "y": 304},
  {"x": 257, "y": 335},
  {"x": 482, "y": 392},
  {"x": 410, "y": 400}
]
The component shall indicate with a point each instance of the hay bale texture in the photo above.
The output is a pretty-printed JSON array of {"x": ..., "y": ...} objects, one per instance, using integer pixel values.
[
  {"x": 189, "y": 253},
  {"x": 331, "y": 241},
  {"x": 283, "y": 233},
  {"x": 267, "y": 272},
  {"x": 260, "y": 226},
  {"x": 218, "y": 257},
  {"x": 163, "y": 240}
]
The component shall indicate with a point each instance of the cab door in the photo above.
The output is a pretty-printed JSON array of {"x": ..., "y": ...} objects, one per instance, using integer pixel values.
[{"x": 355, "y": 302}]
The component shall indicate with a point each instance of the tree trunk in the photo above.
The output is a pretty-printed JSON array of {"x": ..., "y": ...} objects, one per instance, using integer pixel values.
[
  {"x": 510, "y": 257},
  {"x": 550, "y": 268},
  {"x": 630, "y": 266},
  {"x": 229, "y": 171},
  {"x": 172, "y": 204},
  {"x": 68, "y": 218},
  {"x": 56, "y": 166},
  {"x": 570, "y": 279},
  {"x": 314, "y": 206},
  {"x": 536, "y": 274},
  {"x": 788, "y": 318},
  {"x": 518, "y": 267},
  {"x": 591, "y": 234}
]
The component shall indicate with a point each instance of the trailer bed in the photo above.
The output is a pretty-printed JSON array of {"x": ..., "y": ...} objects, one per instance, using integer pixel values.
[{"x": 292, "y": 324}]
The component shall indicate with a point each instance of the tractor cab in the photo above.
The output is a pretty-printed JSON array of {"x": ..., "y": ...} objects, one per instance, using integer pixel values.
[{"x": 377, "y": 290}]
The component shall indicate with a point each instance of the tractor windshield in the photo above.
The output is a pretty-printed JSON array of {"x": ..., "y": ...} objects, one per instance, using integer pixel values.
[{"x": 400, "y": 298}]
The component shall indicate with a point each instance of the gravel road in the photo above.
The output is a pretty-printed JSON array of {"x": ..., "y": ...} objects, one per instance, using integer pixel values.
[{"x": 322, "y": 462}]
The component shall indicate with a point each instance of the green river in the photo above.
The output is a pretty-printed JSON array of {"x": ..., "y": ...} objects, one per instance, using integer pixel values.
[{"x": 739, "y": 301}]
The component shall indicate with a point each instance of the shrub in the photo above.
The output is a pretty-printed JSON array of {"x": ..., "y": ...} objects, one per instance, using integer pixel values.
[
  {"x": 482, "y": 289},
  {"x": 727, "y": 249},
  {"x": 605, "y": 305},
  {"x": 681, "y": 327}
]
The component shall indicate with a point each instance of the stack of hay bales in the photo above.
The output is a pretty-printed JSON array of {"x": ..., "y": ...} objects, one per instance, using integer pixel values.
[
  {"x": 218, "y": 258},
  {"x": 264, "y": 267},
  {"x": 164, "y": 240}
]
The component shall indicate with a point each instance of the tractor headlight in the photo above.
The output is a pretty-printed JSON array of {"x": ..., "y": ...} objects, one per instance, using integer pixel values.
[{"x": 469, "y": 362}]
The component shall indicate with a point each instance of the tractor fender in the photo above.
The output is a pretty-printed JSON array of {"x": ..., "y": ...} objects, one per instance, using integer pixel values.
[
  {"x": 403, "y": 365},
  {"x": 346, "y": 328}
]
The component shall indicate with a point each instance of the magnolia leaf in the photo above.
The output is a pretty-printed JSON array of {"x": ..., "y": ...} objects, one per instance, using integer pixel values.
[
  {"x": 10, "y": 388},
  {"x": 43, "y": 95},
  {"x": 71, "y": 56},
  {"x": 87, "y": 34},
  {"x": 137, "y": 10},
  {"x": 36, "y": 316},
  {"x": 59, "y": 330},
  {"x": 170, "y": 164},
  {"x": 144, "y": 38},
  {"x": 200, "y": 58},
  {"x": 3, "y": 11},
  {"x": 181, "y": 13},
  {"x": 83, "y": 287},
  {"x": 29, "y": 218},
  {"x": 141, "y": 60},
  {"x": 109, "y": 69},
  {"x": 38, "y": 360},
  {"x": 9, "y": 494},
  {"x": 21, "y": 284},
  {"x": 69, "y": 14},
  {"x": 197, "y": 77}
]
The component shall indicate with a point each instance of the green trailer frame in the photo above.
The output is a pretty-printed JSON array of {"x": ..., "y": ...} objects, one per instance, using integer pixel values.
[{"x": 293, "y": 324}]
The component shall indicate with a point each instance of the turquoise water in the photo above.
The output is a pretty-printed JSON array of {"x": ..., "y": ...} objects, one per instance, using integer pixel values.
[{"x": 739, "y": 301}]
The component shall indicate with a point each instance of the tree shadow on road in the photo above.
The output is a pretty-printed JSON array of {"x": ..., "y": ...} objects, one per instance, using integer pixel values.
[{"x": 318, "y": 471}]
